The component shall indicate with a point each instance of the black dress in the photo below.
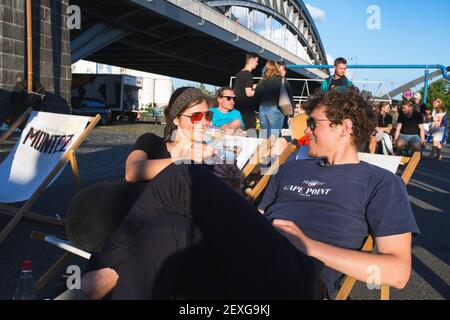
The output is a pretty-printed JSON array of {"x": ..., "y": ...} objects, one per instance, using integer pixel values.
[
  {"x": 190, "y": 236},
  {"x": 97, "y": 210}
]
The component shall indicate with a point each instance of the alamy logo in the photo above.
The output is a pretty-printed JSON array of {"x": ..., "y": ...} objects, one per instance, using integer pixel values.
[
  {"x": 74, "y": 277},
  {"x": 374, "y": 20},
  {"x": 74, "y": 17},
  {"x": 374, "y": 277}
]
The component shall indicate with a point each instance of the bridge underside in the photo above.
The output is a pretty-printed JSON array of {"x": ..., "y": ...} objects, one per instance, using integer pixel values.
[{"x": 133, "y": 36}]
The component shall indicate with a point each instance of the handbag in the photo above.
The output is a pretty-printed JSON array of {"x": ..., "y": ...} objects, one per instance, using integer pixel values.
[{"x": 284, "y": 102}]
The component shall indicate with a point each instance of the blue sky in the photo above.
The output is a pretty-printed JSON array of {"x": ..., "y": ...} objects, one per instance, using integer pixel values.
[{"x": 412, "y": 32}]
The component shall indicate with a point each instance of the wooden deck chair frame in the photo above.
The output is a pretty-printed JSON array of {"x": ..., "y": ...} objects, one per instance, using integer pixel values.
[
  {"x": 254, "y": 193},
  {"x": 298, "y": 126},
  {"x": 256, "y": 159},
  {"x": 70, "y": 252},
  {"x": 18, "y": 214}
]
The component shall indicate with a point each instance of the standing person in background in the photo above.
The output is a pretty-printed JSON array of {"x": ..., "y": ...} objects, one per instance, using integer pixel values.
[
  {"x": 267, "y": 95},
  {"x": 245, "y": 90},
  {"x": 418, "y": 105},
  {"x": 282, "y": 67},
  {"x": 337, "y": 81}
]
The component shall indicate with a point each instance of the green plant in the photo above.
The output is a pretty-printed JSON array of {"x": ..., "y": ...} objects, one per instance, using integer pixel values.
[
  {"x": 438, "y": 89},
  {"x": 149, "y": 110}
]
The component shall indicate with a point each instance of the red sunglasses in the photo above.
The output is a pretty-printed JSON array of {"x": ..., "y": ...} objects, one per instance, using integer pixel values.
[{"x": 198, "y": 116}]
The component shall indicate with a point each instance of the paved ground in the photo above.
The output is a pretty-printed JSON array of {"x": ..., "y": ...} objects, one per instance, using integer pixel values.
[{"x": 102, "y": 156}]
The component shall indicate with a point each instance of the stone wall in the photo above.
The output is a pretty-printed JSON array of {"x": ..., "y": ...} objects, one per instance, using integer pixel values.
[{"x": 51, "y": 52}]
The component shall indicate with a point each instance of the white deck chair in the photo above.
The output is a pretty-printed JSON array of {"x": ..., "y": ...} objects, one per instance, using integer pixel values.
[{"x": 48, "y": 141}]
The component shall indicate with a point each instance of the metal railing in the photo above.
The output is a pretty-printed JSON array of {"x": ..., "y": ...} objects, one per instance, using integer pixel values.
[{"x": 304, "y": 87}]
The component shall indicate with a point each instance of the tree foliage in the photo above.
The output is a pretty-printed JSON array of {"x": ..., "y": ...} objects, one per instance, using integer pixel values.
[
  {"x": 439, "y": 89},
  {"x": 204, "y": 90}
]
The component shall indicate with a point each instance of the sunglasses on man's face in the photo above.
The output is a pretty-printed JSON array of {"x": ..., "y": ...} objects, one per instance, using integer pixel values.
[
  {"x": 198, "y": 116},
  {"x": 311, "y": 123},
  {"x": 229, "y": 98}
]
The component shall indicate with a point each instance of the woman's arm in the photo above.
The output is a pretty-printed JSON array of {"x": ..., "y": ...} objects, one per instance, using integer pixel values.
[
  {"x": 139, "y": 168},
  {"x": 257, "y": 95},
  {"x": 384, "y": 129},
  {"x": 289, "y": 92}
]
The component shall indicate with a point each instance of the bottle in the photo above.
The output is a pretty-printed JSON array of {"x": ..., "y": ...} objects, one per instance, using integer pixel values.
[{"x": 25, "y": 284}]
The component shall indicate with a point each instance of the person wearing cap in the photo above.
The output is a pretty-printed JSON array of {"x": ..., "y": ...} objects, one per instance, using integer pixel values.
[{"x": 418, "y": 106}]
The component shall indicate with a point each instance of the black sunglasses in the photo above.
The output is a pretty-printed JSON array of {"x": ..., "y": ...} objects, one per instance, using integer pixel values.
[
  {"x": 311, "y": 123},
  {"x": 229, "y": 98},
  {"x": 198, "y": 116}
]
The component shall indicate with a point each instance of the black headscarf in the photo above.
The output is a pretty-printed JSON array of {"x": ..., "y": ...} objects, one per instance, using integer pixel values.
[{"x": 181, "y": 99}]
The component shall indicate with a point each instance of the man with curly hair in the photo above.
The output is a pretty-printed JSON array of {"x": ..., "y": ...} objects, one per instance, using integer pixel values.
[
  {"x": 327, "y": 207},
  {"x": 316, "y": 216}
]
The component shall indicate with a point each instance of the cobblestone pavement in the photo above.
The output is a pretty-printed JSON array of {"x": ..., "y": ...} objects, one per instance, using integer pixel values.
[{"x": 101, "y": 157}]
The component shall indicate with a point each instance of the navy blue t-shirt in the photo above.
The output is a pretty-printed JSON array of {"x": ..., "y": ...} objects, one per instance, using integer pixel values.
[{"x": 339, "y": 205}]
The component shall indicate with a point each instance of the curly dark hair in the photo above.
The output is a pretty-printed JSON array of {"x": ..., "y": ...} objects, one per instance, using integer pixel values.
[{"x": 346, "y": 104}]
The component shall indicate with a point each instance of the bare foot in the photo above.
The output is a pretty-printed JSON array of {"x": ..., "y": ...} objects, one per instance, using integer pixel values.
[{"x": 97, "y": 284}]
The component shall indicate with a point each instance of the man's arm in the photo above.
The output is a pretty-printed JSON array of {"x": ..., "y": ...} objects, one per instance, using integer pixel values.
[
  {"x": 324, "y": 86},
  {"x": 235, "y": 124},
  {"x": 390, "y": 266},
  {"x": 422, "y": 133},
  {"x": 250, "y": 92},
  {"x": 397, "y": 132},
  {"x": 384, "y": 129},
  {"x": 388, "y": 129}
]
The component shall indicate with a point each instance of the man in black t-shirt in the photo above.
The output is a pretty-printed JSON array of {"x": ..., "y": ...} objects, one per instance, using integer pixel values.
[
  {"x": 409, "y": 129},
  {"x": 245, "y": 90}
]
